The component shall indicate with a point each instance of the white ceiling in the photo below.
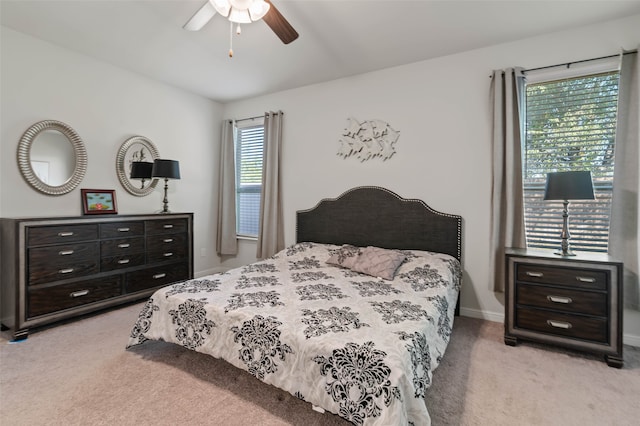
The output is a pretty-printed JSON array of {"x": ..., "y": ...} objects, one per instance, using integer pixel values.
[{"x": 338, "y": 38}]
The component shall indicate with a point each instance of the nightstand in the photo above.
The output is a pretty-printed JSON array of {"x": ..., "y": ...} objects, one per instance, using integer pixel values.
[{"x": 575, "y": 302}]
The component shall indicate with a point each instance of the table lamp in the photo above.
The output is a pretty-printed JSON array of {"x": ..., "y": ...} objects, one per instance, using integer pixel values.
[{"x": 567, "y": 186}]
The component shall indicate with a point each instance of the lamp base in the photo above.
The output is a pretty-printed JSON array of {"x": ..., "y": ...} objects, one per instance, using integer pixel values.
[{"x": 562, "y": 253}]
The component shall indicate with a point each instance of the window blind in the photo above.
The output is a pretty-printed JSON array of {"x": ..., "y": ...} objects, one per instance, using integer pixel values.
[
  {"x": 249, "y": 154},
  {"x": 570, "y": 125}
]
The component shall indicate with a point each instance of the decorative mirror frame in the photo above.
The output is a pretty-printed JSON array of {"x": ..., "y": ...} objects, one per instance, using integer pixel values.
[
  {"x": 24, "y": 154},
  {"x": 121, "y": 166}
]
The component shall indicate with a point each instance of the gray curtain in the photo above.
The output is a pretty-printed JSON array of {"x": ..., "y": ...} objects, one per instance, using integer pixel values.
[
  {"x": 271, "y": 230},
  {"x": 623, "y": 230},
  {"x": 507, "y": 199},
  {"x": 226, "y": 238}
]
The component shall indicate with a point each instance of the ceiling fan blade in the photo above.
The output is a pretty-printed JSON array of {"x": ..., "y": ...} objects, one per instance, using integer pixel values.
[
  {"x": 279, "y": 25},
  {"x": 201, "y": 17}
]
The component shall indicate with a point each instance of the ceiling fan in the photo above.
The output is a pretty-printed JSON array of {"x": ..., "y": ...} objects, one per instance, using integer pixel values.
[{"x": 244, "y": 12}]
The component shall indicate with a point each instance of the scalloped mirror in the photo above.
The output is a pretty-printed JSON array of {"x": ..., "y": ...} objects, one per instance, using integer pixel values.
[
  {"x": 52, "y": 157},
  {"x": 134, "y": 149}
]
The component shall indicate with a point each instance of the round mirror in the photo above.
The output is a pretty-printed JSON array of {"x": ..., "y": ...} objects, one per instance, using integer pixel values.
[
  {"x": 52, "y": 157},
  {"x": 136, "y": 149}
]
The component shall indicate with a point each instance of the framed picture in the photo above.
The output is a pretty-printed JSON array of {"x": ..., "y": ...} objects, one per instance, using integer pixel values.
[{"x": 99, "y": 201}]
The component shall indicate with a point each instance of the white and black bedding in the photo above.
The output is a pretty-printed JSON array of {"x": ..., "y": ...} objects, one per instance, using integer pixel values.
[{"x": 353, "y": 344}]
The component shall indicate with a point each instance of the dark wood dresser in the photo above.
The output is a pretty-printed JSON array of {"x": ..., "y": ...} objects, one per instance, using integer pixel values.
[
  {"x": 574, "y": 301},
  {"x": 59, "y": 268}
]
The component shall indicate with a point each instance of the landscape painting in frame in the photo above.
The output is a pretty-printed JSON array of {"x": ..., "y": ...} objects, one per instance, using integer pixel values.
[{"x": 99, "y": 201}]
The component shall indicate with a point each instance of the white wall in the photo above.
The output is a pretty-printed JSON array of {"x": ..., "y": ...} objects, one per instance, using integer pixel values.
[
  {"x": 106, "y": 105},
  {"x": 441, "y": 108}
]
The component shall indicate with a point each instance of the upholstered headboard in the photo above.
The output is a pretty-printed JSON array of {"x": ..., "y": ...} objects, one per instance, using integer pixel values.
[{"x": 375, "y": 216}]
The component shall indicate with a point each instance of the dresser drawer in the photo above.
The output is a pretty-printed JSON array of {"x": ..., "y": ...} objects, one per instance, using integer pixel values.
[
  {"x": 121, "y": 229},
  {"x": 164, "y": 242},
  {"x": 561, "y": 299},
  {"x": 167, "y": 247},
  {"x": 156, "y": 277},
  {"x": 65, "y": 296},
  {"x": 166, "y": 226},
  {"x": 573, "y": 277},
  {"x": 121, "y": 262},
  {"x": 61, "y": 234},
  {"x": 121, "y": 246},
  {"x": 47, "y": 264},
  {"x": 586, "y": 328}
]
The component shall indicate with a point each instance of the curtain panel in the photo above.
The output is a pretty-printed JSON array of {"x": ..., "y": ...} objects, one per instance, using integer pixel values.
[
  {"x": 226, "y": 238},
  {"x": 507, "y": 195},
  {"x": 623, "y": 230},
  {"x": 271, "y": 230}
]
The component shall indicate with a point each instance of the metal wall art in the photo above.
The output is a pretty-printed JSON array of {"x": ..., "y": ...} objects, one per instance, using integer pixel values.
[{"x": 368, "y": 139}]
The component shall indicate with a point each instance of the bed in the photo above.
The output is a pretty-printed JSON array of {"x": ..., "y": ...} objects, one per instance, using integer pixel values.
[{"x": 352, "y": 318}]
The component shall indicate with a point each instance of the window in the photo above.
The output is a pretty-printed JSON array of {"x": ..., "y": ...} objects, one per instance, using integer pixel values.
[
  {"x": 570, "y": 124},
  {"x": 249, "y": 142}
]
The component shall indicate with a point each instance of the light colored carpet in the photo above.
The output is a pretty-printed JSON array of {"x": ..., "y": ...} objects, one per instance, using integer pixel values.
[{"x": 79, "y": 373}]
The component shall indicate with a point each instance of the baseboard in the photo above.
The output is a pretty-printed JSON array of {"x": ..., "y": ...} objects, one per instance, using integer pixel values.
[
  {"x": 627, "y": 339},
  {"x": 476, "y": 313},
  {"x": 211, "y": 271},
  {"x": 631, "y": 340}
]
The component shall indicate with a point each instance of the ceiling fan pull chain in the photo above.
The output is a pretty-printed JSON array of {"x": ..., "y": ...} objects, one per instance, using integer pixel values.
[{"x": 230, "y": 39}]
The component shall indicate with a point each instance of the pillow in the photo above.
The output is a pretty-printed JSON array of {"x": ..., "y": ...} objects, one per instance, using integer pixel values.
[
  {"x": 378, "y": 262},
  {"x": 345, "y": 256}
]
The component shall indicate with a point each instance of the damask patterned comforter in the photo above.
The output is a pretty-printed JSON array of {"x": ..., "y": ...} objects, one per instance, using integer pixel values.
[{"x": 358, "y": 346}]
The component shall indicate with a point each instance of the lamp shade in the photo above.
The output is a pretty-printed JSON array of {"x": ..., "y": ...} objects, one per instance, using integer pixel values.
[
  {"x": 569, "y": 186},
  {"x": 168, "y": 169},
  {"x": 141, "y": 170}
]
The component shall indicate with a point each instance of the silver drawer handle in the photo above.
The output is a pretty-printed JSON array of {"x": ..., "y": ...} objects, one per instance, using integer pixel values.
[
  {"x": 126, "y": 245},
  {"x": 559, "y": 299},
  {"x": 65, "y": 252},
  {"x": 123, "y": 261},
  {"x": 168, "y": 254},
  {"x": 65, "y": 271},
  {"x": 123, "y": 229},
  {"x": 65, "y": 234},
  {"x": 535, "y": 274},
  {"x": 157, "y": 276},
  {"x": 168, "y": 226},
  {"x": 586, "y": 279},
  {"x": 79, "y": 293},
  {"x": 167, "y": 240},
  {"x": 559, "y": 324}
]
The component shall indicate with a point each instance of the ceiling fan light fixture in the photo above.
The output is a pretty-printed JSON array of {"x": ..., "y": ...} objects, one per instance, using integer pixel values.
[
  {"x": 241, "y": 11},
  {"x": 239, "y": 16},
  {"x": 222, "y": 6},
  {"x": 258, "y": 9}
]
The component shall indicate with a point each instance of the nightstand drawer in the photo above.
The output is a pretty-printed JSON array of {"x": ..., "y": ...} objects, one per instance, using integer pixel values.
[
  {"x": 587, "y": 328},
  {"x": 573, "y": 277},
  {"x": 560, "y": 299}
]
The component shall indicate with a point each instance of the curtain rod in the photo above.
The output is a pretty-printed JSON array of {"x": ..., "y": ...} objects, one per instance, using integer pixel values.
[
  {"x": 253, "y": 118},
  {"x": 249, "y": 118},
  {"x": 568, "y": 64}
]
